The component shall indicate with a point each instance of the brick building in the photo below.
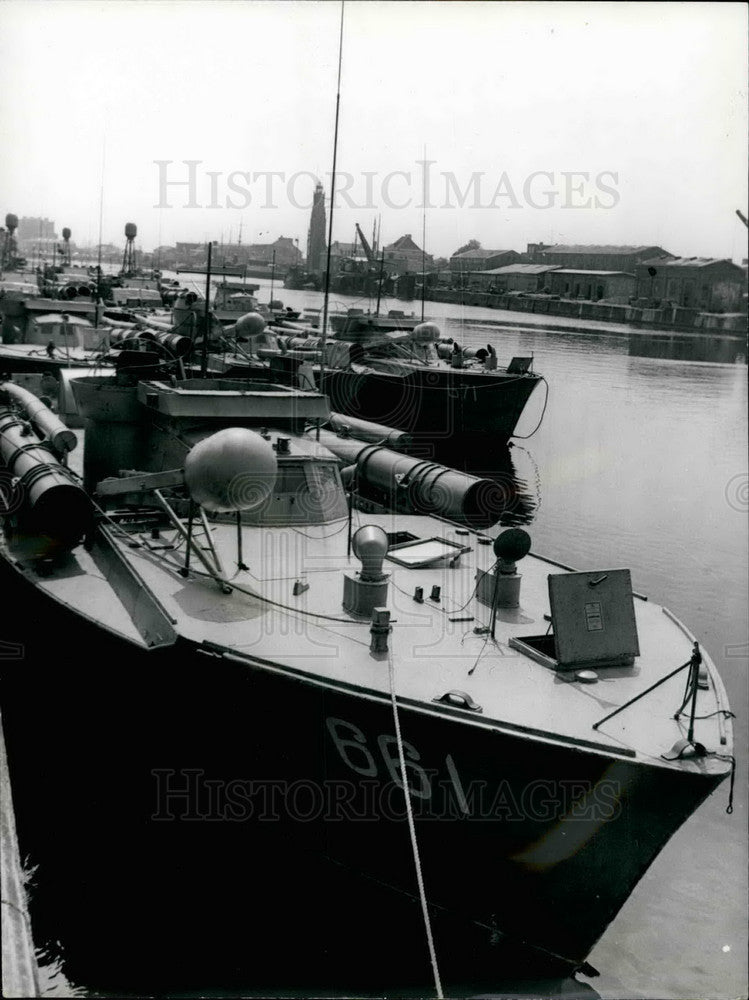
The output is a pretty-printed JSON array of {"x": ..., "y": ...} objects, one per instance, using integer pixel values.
[
  {"x": 707, "y": 283},
  {"x": 513, "y": 278},
  {"x": 405, "y": 256},
  {"x": 592, "y": 285},
  {"x": 593, "y": 257},
  {"x": 482, "y": 260}
]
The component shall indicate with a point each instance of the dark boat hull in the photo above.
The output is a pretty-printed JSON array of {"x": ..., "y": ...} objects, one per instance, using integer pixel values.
[
  {"x": 223, "y": 812},
  {"x": 444, "y": 407}
]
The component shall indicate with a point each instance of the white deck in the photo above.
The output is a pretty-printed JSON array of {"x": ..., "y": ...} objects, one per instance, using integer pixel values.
[{"x": 432, "y": 655}]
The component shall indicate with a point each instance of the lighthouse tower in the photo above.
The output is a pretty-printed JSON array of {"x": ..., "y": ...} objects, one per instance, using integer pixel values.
[{"x": 316, "y": 245}]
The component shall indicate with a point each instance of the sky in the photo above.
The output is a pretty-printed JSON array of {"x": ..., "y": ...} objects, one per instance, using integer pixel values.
[{"x": 622, "y": 123}]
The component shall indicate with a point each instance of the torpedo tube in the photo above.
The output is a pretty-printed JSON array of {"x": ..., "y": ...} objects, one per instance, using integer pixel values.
[
  {"x": 174, "y": 343},
  {"x": 47, "y": 506},
  {"x": 49, "y": 425},
  {"x": 418, "y": 485},
  {"x": 369, "y": 431}
]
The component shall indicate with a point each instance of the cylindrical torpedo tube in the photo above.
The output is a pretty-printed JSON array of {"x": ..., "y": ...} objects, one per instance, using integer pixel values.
[
  {"x": 51, "y": 507},
  {"x": 49, "y": 424},
  {"x": 422, "y": 486},
  {"x": 174, "y": 343},
  {"x": 369, "y": 431}
]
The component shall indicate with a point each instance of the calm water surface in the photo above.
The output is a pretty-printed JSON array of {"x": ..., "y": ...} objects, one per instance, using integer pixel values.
[{"x": 642, "y": 462}]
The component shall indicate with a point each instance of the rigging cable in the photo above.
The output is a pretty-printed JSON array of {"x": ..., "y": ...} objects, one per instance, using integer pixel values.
[
  {"x": 524, "y": 437},
  {"x": 412, "y": 829}
]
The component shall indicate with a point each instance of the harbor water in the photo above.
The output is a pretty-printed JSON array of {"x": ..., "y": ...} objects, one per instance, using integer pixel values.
[{"x": 641, "y": 462}]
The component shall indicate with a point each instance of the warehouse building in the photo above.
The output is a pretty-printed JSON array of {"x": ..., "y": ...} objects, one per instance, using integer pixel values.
[
  {"x": 513, "y": 278},
  {"x": 592, "y": 285},
  {"x": 593, "y": 257},
  {"x": 707, "y": 283},
  {"x": 481, "y": 260}
]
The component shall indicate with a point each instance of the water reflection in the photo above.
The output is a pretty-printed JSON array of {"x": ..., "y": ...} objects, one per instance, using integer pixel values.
[{"x": 687, "y": 347}]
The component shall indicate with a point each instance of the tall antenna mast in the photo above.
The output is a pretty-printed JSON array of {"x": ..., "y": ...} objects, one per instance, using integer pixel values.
[
  {"x": 324, "y": 337},
  {"x": 424, "y": 237},
  {"x": 101, "y": 220}
]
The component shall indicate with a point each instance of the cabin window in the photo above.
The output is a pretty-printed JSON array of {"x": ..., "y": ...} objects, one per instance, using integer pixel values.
[{"x": 306, "y": 492}]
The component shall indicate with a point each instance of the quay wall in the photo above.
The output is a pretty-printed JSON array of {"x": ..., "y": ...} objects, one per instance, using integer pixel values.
[
  {"x": 671, "y": 318},
  {"x": 20, "y": 972}
]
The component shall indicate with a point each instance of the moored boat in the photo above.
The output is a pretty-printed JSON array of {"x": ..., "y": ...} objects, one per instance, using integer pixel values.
[
  {"x": 456, "y": 401},
  {"x": 548, "y": 730}
]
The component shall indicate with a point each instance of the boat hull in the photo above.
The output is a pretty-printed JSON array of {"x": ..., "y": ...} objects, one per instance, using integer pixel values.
[
  {"x": 188, "y": 787},
  {"x": 444, "y": 407}
]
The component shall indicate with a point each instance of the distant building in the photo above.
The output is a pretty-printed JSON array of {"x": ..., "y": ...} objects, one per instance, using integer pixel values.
[
  {"x": 533, "y": 249},
  {"x": 405, "y": 256},
  {"x": 481, "y": 260},
  {"x": 37, "y": 236},
  {"x": 32, "y": 229},
  {"x": 285, "y": 249},
  {"x": 592, "y": 285},
  {"x": 514, "y": 278},
  {"x": 707, "y": 283},
  {"x": 187, "y": 250},
  {"x": 316, "y": 241},
  {"x": 91, "y": 251},
  {"x": 338, "y": 251},
  {"x": 165, "y": 256},
  {"x": 594, "y": 257}
]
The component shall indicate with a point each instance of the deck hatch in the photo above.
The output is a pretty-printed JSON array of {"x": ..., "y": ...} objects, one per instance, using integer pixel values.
[
  {"x": 421, "y": 553},
  {"x": 593, "y": 619}
]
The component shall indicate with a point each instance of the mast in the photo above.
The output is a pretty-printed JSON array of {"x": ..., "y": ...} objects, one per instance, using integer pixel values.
[
  {"x": 101, "y": 218},
  {"x": 206, "y": 319},
  {"x": 272, "y": 276},
  {"x": 324, "y": 332},
  {"x": 424, "y": 236},
  {"x": 379, "y": 283}
]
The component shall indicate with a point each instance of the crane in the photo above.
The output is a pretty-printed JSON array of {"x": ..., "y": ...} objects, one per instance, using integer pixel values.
[{"x": 367, "y": 248}]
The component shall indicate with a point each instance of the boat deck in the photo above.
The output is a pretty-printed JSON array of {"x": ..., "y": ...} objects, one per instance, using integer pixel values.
[{"x": 434, "y": 645}]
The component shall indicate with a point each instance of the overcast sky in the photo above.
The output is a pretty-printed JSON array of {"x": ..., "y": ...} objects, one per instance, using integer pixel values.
[{"x": 562, "y": 122}]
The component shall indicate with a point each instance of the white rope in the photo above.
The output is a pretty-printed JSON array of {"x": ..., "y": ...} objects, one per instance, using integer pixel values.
[{"x": 412, "y": 831}]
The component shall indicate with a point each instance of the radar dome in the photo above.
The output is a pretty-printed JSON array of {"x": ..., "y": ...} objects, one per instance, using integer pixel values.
[
  {"x": 66, "y": 233},
  {"x": 250, "y": 325},
  {"x": 11, "y": 221},
  {"x": 131, "y": 230},
  {"x": 427, "y": 331},
  {"x": 233, "y": 469}
]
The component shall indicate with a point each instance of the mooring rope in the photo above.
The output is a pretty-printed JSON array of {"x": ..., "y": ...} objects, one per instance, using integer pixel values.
[{"x": 412, "y": 831}]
